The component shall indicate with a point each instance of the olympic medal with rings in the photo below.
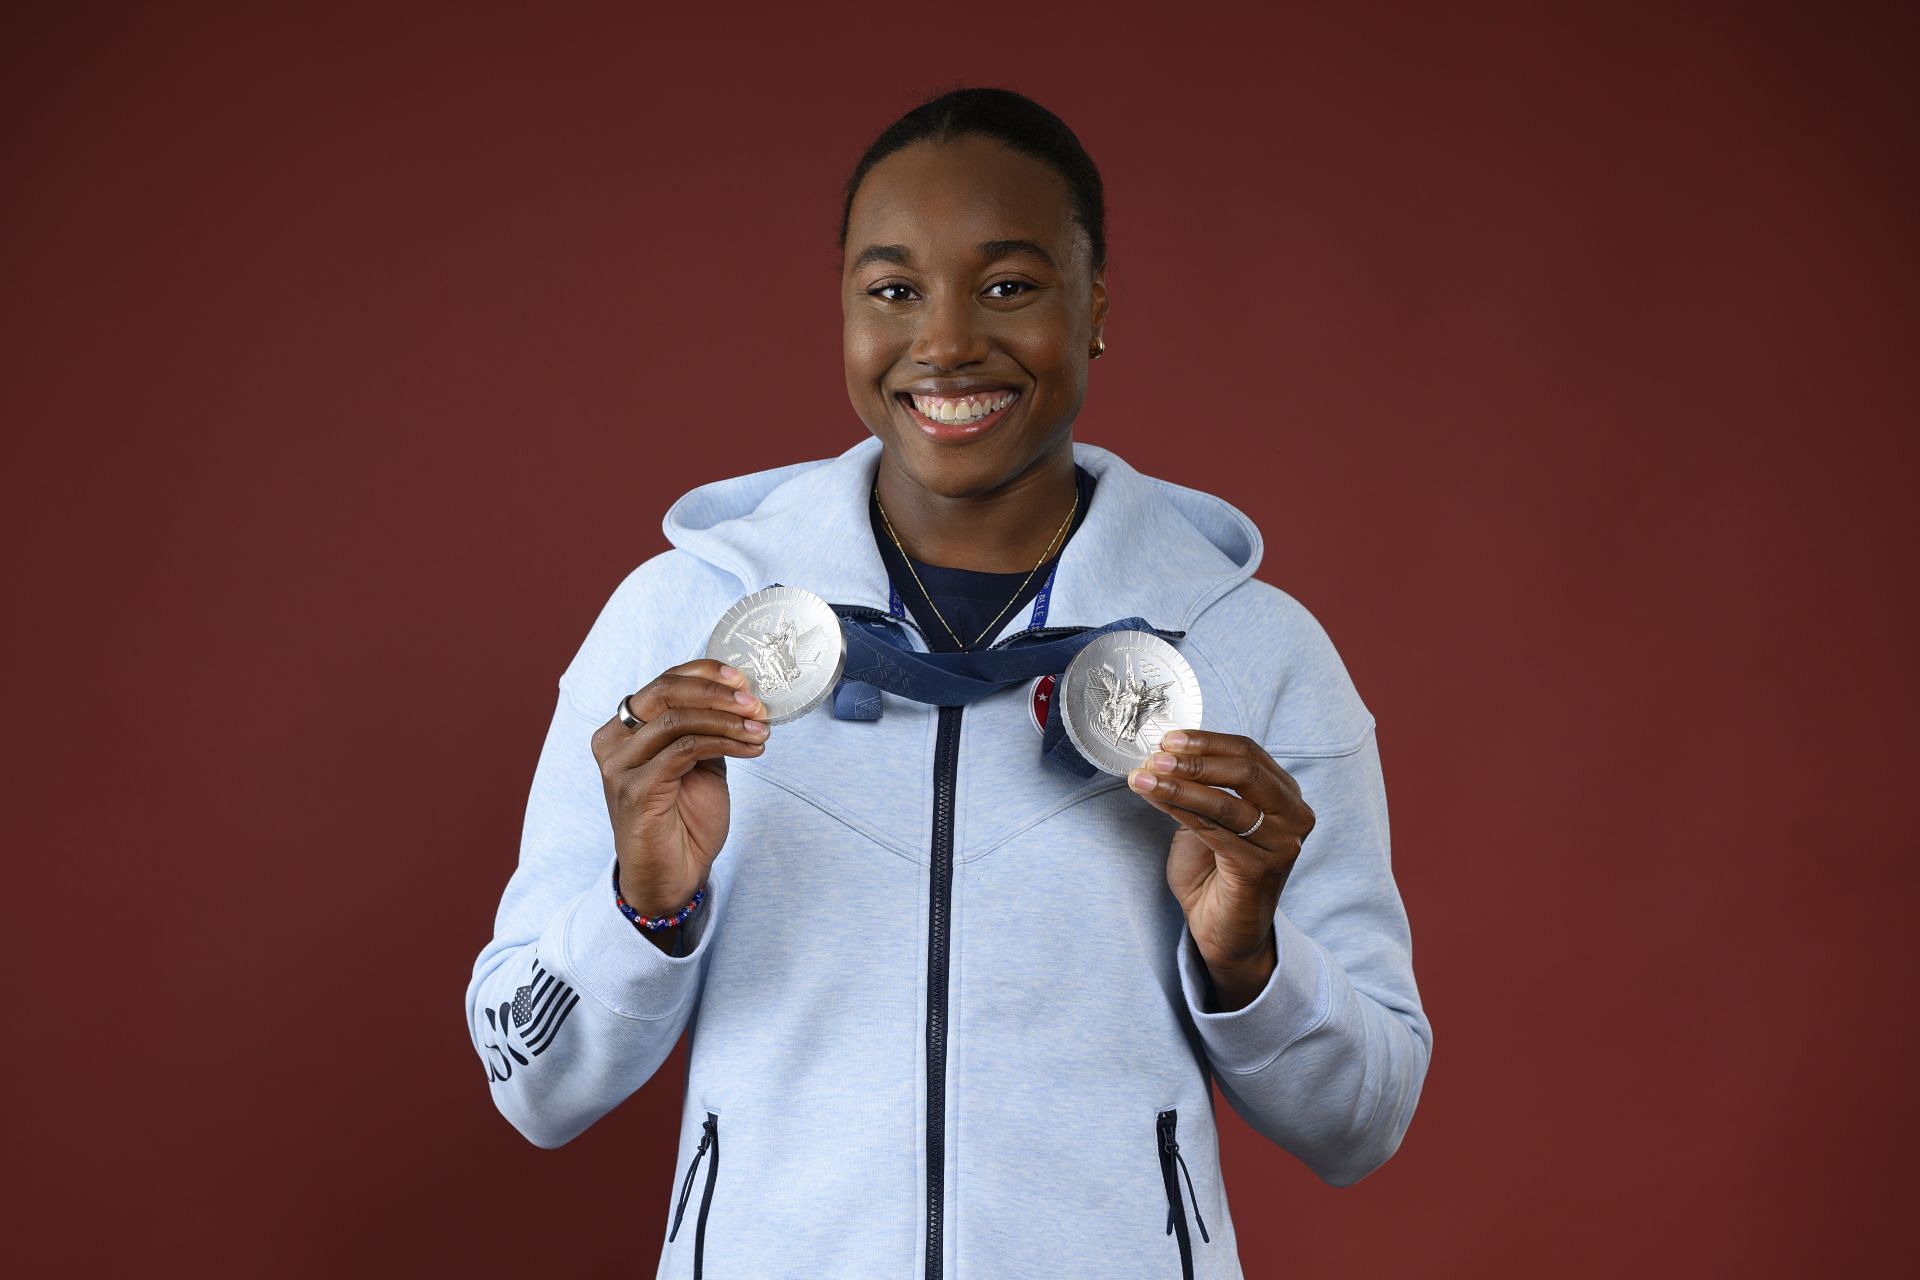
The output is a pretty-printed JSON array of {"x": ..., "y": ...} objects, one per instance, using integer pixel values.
[
  {"x": 1121, "y": 693},
  {"x": 789, "y": 643}
]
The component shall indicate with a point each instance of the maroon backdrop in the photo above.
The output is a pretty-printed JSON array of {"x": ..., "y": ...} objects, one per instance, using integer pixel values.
[{"x": 1564, "y": 356}]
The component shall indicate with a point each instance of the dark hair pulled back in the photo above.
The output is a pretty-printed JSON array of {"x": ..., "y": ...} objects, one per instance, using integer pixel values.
[{"x": 1012, "y": 119}]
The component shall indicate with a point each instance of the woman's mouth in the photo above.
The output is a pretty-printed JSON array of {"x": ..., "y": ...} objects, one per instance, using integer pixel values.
[{"x": 958, "y": 417}]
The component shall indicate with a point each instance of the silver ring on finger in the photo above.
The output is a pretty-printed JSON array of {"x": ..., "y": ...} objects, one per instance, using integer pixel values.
[
  {"x": 627, "y": 717},
  {"x": 1255, "y": 827}
]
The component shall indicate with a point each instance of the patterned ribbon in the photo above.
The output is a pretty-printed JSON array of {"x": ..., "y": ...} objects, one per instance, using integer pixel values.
[{"x": 880, "y": 658}]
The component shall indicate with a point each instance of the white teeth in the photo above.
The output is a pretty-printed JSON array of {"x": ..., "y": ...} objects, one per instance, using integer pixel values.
[{"x": 963, "y": 410}]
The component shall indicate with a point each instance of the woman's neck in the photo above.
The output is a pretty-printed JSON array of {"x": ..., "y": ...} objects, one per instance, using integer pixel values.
[{"x": 1004, "y": 531}]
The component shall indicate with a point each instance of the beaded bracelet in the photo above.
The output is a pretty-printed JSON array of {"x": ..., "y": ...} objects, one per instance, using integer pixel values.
[{"x": 653, "y": 924}]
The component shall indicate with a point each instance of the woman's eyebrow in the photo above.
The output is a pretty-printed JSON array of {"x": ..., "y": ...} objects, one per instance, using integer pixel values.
[
  {"x": 994, "y": 249},
  {"x": 991, "y": 250},
  {"x": 895, "y": 253}
]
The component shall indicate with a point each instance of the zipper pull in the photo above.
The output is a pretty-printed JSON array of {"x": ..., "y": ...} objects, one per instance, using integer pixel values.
[
  {"x": 1166, "y": 1159},
  {"x": 1196, "y": 1199},
  {"x": 1170, "y": 1147},
  {"x": 706, "y": 1138}
]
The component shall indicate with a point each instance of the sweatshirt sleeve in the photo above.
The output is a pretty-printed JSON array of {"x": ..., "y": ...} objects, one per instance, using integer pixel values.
[
  {"x": 1329, "y": 1058},
  {"x": 570, "y": 1007}
]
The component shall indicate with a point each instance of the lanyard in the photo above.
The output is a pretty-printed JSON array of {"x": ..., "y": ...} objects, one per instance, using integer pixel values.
[{"x": 879, "y": 658}]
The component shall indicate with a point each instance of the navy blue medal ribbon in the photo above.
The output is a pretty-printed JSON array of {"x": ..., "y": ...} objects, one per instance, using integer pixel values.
[{"x": 880, "y": 658}]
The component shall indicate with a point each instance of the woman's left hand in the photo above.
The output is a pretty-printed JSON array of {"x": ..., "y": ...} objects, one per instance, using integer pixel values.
[{"x": 1229, "y": 885}]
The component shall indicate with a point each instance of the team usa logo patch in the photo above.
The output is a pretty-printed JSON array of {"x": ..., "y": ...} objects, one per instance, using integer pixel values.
[
  {"x": 1040, "y": 697},
  {"x": 530, "y": 1020}
]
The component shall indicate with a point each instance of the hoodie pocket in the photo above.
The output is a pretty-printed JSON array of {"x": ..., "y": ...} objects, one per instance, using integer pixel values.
[
  {"x": 709, "y": 1150},
  {"x": 1167, "y": 1122}
]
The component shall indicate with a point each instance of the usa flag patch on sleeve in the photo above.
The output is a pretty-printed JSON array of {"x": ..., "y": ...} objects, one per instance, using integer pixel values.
[{"x": 530, "y": 1020}]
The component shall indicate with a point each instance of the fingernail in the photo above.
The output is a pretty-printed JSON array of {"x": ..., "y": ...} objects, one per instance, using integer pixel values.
[
  {"x": 1163, "y": 762},
  {"x": 754, "y": 726},
  {"x": 1141, "y": 780},
  {"x": 744, "y": 698},
  {"x": 727, "y": 672},
  {"x": 1173, "y": 738}
]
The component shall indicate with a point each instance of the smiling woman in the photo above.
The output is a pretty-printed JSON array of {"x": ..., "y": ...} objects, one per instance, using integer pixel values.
[
  {"x": 972, "y": 301},
  {"x": 1000, "y": 1059}
]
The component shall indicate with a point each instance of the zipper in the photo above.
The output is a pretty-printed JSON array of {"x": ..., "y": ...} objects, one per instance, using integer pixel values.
[
  {"x": 1176, "y": 1207},
  {"x": 946, "y": 767},
  {"x": 710, "y": 1137}
]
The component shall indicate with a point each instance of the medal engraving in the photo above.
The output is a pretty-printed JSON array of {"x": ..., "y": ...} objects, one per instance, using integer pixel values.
[
  {"x": 1121, "y": 693},
  {"x": 788, "y": 642}
]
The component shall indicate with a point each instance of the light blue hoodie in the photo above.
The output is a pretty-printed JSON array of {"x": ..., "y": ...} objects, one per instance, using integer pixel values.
[{"x": 1067, "y": 1046}]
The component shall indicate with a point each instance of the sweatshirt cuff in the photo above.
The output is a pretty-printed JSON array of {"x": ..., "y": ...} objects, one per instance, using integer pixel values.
[
  {"x": 606, "y": 956},
  {"x": 1295, "y": 1000}
]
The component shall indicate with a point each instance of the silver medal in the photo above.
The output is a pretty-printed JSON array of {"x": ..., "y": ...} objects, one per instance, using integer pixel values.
[
  {"x": 788, "y": 642},
  {"x": 1121, "y": 693}
]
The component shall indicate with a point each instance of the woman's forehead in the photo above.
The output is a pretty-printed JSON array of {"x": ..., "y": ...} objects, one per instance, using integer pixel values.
[{"x": 953, "y": 198}]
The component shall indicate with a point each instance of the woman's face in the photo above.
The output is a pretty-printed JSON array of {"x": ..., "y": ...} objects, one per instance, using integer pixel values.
[{"x": 967, "y": 284}]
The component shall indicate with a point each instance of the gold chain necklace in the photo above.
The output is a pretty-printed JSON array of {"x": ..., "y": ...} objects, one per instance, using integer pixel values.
[{"x": 1003, "y": 608}]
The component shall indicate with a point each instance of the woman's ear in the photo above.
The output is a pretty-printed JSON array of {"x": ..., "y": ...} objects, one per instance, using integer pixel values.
[{"x": 1099, "y": 301}]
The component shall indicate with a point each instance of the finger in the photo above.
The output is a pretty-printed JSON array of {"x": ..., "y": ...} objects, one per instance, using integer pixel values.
[
  {"x": 675, "y": 760},
  {"x": 690, "y": 689},
  {"x": 1253, "y": 776},
  {"x": 1220, "y": 750},
  {"x": 1186, "y": 818},
  {"x": 657, "y": 734},
  {"x": 1208, "y": 810},
  {"x": 711, "y": 669},
  {"x": 703, "y": 686},
  {"x": 1242, "y": 857}
]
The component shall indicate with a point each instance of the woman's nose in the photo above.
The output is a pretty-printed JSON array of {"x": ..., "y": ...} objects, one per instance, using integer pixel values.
[{"x": 950, "y": 334}]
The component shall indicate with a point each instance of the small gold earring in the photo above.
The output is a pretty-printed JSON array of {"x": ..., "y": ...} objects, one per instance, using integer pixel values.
[{"x": 1099, "y": 348}]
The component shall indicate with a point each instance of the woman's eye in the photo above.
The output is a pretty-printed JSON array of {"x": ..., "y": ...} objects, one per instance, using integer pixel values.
[
  {"x": 1020, "y": 287},
  {"x": 885, "y": 292}
]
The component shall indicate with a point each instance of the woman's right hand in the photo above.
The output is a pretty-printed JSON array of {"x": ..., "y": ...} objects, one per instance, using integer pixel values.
[{"x": 666, "y": 782}]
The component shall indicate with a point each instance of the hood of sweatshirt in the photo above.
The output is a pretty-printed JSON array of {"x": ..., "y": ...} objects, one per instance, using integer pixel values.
[{"x": 1145, "y": 547}]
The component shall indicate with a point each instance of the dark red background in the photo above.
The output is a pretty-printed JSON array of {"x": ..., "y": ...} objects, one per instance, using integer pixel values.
[{"x": 1565, "y": 356}]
